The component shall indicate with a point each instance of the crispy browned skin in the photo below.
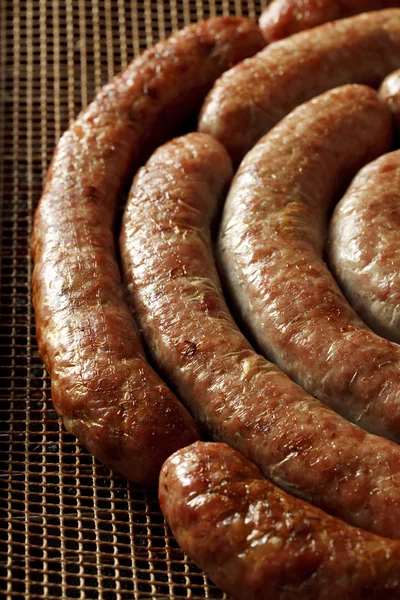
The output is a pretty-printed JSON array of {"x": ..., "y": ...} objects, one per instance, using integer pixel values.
[
  {"x": 271, "y": 243},
  {"x": 364, "y": 242},
  {"x": 237, "y": 395},
  {"x": 257, "y": 542},
  {"x": 102, "y": 386},
  {"x": 282, "y": 18},
  {"x": 389, "y": 91},
  {"x": 252, "y": 97}
]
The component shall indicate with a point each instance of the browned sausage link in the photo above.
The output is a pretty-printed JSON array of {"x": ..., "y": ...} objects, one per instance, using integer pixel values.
[
  {"x": 258, "y": 543},
  {"x": 364, "y": 241},
  {"x": 390, "y": 93},
  {"x": 285, "y": 17},
  {"x": 272, "y": 238},
  {"x": 253, "y": 96},
  {"x": 101, "y": 384},
  {"x": 235, "y": 393}
]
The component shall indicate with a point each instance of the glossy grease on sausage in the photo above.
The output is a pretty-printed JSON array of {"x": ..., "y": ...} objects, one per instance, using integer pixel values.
[
  {"x": 235, "y": 394},
  {"x": 257, "y": 542},
  {"x": 253, "y": 96},
  {"x": 271, "y": 245},
  {"x": 282, "y": 18},
  {"x": 102, "y": 386},
  {"x": 364, "y": 242}
]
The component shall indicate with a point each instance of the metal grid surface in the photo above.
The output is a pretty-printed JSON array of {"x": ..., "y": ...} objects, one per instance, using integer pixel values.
[{"x": 69, "y": 528}]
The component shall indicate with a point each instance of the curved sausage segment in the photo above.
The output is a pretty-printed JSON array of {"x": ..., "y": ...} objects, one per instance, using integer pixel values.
[
  {"x": 256, "y": 542},
  {"x": 252, "y": 97},
  {"x": 271, "y": 243},
  {"x": 282, "y": 18},
  {"x": 236, "y": 395},
  {"x": 101, "y": 384},
  {"x": 389, "y": 91},
  {"x": 364, "y": 241}
]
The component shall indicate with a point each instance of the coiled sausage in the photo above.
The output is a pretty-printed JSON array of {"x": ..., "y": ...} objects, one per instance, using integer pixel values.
[
  {"x": 389, "y": 91},
  {"x": 102, "y": 386},
  {"x": 235, "y": 394},
  {"x": 253, "y": 96},
  {"x": 364, "y": 238},
  {"x": 285, "y": 17},
  {"x": 271, "y": 245},
  {"x": 258, "y": 543}
]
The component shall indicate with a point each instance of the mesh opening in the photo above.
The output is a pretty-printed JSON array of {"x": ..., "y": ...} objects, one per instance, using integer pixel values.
[{"x": 69, "y": 528}]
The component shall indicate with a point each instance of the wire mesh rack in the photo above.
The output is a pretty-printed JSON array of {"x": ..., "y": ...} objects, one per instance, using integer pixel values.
[{"x": 69, "y": 528}]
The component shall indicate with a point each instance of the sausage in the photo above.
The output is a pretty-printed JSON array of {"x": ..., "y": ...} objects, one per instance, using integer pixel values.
[
  {"x": 257, "y": 542},
  {"x": 389, "y": 91},
  {"x": 235, "y": 394},
  {"x": 282, "y": 18},
  {"x": 102, "y": 386},
  {"x": 253, "y": 96},
  {"x": 364, "y": 238},
  {"x": 271, "y": 246}
]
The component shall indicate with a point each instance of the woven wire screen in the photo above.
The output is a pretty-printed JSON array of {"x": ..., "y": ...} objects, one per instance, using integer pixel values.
[{"x": 69, "y": 528}]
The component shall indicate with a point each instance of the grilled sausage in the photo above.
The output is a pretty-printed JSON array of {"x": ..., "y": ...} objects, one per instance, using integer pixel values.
[
  {"x": 102, "y": 386},
  {"x": 364, "y": 240},
  {"x": 252, "y": 97},
  {"x": 282, "y": 18},
  {"x": 235, "y": 394},
  {"x": 257, "y": 542},
  {"x": 389, "y": 91},
  {"x": 271, "y": 247}
]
